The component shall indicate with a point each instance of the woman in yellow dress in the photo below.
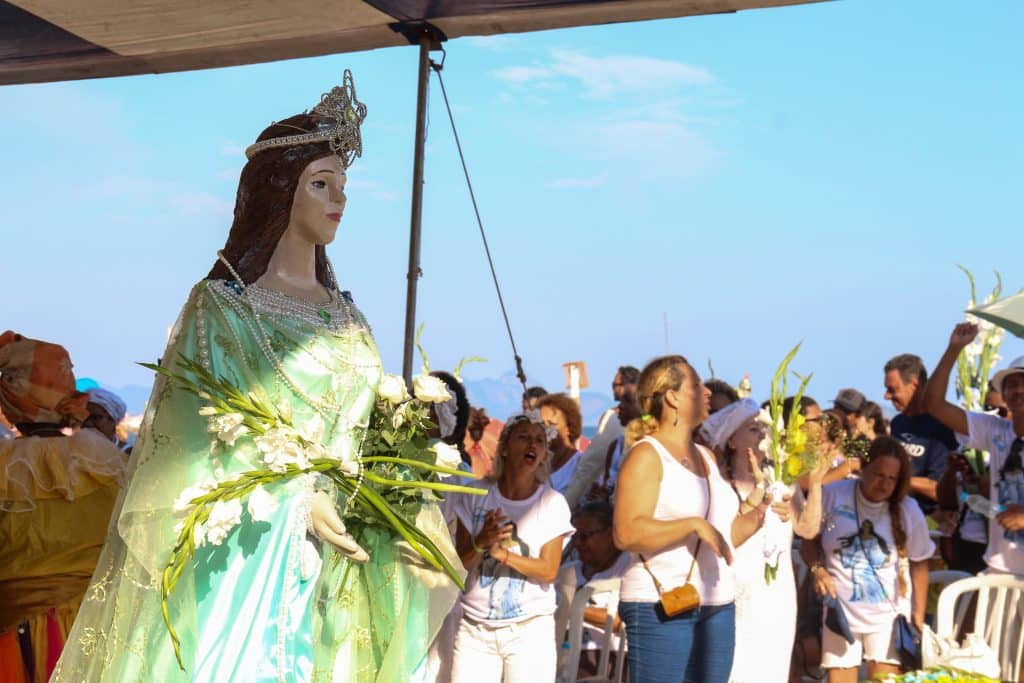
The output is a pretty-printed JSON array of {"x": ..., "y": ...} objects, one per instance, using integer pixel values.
[{"x": 56, "y": 496}]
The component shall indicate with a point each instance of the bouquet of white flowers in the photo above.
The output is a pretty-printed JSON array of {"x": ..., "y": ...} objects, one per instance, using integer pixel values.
[{"x": 385, "y": 484}]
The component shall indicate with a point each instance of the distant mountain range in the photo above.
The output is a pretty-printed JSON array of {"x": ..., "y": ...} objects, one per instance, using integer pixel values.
[{"x": 500, "y": 396}]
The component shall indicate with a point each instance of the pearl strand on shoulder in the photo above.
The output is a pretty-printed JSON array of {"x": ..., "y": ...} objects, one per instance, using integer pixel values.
[{"x": 263, "y": 341}]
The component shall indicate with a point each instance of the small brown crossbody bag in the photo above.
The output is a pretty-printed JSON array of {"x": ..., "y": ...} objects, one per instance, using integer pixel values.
[{"x": 685, "y": 598}]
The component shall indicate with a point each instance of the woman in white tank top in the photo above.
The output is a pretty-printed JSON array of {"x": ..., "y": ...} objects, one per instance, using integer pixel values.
[{"x": 670, "y": 498}]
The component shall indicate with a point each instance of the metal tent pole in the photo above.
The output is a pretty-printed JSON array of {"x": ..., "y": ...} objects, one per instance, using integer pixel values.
[{"x": 426, "y": 40}]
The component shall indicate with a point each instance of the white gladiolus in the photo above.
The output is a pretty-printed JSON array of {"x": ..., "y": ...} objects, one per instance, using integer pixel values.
[
  {"x": 972, "y": 396},
  {"x": 224, "y": 516},
  {"x": 261, "y": 504},
  {"x": 207, "y": 411},
  {"x": 392, "y": 389},
  {"x": 198, "y": 535},
  {"x": 447, "y": 455},
  {"x": 228, "y": 427},
  {"x": 430, "y": 389},
  {"x": 316, "y": 452},
  {"x": 183, "y": 503},
  {"x": 312, "y": 430},
  {"x": 398, "y": 418},
  {"x": 279, "y": 450},
  {"x": 764, "y": 417},
  {"x": 776, "y": 536},
  {"x": 765, "y": 445}
]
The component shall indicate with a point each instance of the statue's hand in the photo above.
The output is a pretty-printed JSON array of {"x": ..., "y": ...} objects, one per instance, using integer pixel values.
[{"x": 327, "y": 526}]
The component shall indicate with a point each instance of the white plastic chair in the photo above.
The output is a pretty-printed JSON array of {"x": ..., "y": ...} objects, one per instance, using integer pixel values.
[
  {"x": 944, "y": 577},
  {"x": 571, "y": 663},
  {"x": 999, "y": 617}
]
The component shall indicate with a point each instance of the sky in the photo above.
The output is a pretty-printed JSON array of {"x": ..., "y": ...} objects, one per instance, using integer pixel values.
[{"x": 721, "y": 187}]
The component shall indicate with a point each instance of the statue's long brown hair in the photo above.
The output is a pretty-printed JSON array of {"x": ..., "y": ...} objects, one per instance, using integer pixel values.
[{"x": 263, "y": 205}]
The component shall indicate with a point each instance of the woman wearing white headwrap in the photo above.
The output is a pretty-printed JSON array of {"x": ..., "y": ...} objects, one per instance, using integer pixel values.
[
  {"x": 106, "y": 410},
  {"x": 765, "y": 611}
]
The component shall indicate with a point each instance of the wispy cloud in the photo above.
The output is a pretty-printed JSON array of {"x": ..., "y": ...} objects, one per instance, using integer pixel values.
[{"x": 604, "y": 77}]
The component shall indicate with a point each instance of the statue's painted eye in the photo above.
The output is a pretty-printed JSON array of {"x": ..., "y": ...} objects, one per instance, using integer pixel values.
[{"x": 319, "y": 184}]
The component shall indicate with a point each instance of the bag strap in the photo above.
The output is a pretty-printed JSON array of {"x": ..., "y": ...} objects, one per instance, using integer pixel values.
[
  {"x": 608, "y": 459},
  {"x": 696, "y": 548}
]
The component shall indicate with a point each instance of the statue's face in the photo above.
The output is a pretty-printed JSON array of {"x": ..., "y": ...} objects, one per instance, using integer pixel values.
[{"x": 319, "y": 201}]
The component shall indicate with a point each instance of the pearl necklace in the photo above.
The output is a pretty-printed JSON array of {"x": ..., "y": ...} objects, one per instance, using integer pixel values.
[{"x": 327, "y": 409}]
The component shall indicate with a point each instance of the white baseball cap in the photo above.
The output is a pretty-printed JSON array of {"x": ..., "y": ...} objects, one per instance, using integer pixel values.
[{"x": 1017, "y": 365}]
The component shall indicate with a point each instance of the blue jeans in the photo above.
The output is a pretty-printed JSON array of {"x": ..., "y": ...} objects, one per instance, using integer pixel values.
[{"x": 695, "y": 647}]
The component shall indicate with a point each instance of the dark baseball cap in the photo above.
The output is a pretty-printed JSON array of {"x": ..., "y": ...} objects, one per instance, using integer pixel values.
[{"x": 850, "y": 400}]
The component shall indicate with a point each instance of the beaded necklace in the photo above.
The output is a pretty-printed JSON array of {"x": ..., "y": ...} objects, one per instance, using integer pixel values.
[{"x": 280, "y": 304}]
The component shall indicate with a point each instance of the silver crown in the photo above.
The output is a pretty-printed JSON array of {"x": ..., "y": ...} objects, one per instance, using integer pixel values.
[{"x": 341, "y": 116}]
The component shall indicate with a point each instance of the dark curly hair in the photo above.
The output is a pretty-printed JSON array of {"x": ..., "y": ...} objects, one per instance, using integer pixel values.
[
  {"x": 569, "y": 408},
  {"x": 263, "y": 204},
  {"x": 461, "y": 409}
]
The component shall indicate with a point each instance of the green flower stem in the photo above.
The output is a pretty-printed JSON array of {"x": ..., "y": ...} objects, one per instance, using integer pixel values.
[
  {"x": 433, "y": 486},
  {"x": 440, "y": 469},
  {"x": 411, "y": 534}
]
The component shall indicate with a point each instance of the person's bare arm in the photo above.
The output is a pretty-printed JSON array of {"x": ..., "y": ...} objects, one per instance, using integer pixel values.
[
  {"x": 471, "y": 550},
  {"x": 634, "y": 529},
  {"x": 945, "y": 489},
  {"x": 543, "y": 569},
  {"x": 807, "y": 510},
  {"x": 949, "y": 414},
  {"x": 923, "y": 486},
  {"x": 919, "y": 582}
]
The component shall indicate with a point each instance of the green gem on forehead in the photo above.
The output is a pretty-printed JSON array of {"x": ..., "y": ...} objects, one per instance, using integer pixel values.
[{"x": 324, "y": 315}]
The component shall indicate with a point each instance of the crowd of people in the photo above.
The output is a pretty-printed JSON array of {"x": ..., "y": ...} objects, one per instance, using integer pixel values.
[
  {"x": 693, "y": 482},
  {"x": 723, "y": 576},
  {"x": 669, "y": 493},
  {"x": 689, "y": 506}
]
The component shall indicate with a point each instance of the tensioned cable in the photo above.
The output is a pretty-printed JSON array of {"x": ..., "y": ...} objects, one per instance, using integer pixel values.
[{"x": 476, "y": 209}]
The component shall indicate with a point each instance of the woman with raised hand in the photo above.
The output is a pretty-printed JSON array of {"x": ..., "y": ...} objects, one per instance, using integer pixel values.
[
  {"x": 765, "y": 610},
  {"x": 678, "y": 516},
  {"x": 872, "y": 556},
  {"x": 511, "y": 541}
]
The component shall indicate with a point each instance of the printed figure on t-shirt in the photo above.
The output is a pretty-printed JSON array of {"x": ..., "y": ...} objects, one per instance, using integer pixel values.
[
  {"x": 1011, "y": 490},
  {"x": 505, "y": 583},
  {"x": 864, "y": 552}
]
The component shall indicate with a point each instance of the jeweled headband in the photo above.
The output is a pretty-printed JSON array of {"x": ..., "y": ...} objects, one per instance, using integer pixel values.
[{"x": 340, "y": 114}]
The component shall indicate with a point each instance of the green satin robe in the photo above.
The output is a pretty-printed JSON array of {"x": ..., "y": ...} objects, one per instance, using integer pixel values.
[{"x": 263, "y": 605}]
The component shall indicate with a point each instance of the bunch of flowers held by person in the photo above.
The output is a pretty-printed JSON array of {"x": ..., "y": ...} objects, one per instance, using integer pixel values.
[
  {"x": 791, "y": 446},
  {"x": 385, "y": 484},
  {"x": 976, "y": 361}
]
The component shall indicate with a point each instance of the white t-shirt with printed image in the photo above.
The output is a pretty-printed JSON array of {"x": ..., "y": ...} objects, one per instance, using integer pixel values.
[
  {"x": 1005, "y": 552},
  {"x": 864, "y": 565},
  {"x": 495, "y": 593}
]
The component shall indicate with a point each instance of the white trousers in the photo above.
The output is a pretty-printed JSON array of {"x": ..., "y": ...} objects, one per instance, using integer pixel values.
[{"x": 523, "y": 652}]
